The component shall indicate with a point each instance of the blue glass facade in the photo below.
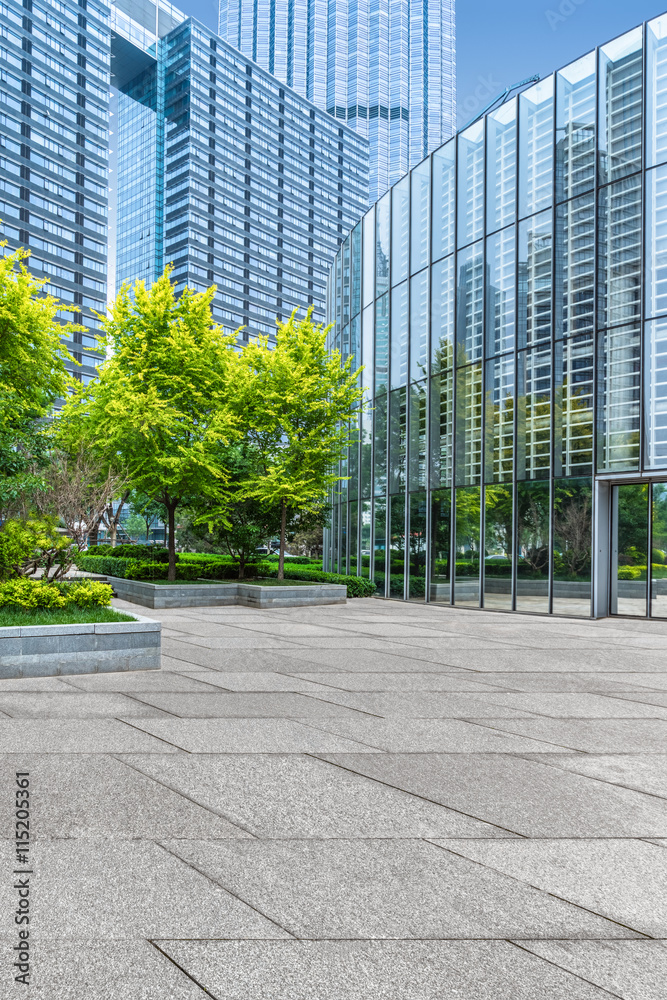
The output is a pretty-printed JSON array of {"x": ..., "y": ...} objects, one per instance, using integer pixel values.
[
  {"x": 513, "y": 454},
  {"x": 386, "y": 68},
  {"x": 54, "y": 151},
  {"x": 234, "y": 178}
]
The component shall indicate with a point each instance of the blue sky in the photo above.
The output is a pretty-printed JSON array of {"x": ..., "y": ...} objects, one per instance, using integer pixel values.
[{"x": 500, "y": 43}]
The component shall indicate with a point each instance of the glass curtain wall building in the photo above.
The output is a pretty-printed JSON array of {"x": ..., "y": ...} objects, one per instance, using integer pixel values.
[
  {"x": 54, "y": 153},
  {"x": 508, "y": 301},
  {"x": 231, "y": 176},
  {"x": 387, "y": 69}
]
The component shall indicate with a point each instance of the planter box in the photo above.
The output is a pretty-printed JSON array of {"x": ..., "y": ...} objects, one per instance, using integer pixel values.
[
  {"x": 213, "y": 595},
  {"x": 50, "y": 650}
]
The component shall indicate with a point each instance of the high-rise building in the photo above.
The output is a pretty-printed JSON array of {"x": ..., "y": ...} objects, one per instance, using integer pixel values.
[
  {"x": 385, "y": 68},
  {"x": 508, "y": 301},
  {"x": 225, "y": 172},
  {"x": 54, "y": 123}
]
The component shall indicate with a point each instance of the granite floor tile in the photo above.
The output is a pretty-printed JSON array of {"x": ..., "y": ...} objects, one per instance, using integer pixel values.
[
  {"x": 295, "y": 796},
  {"x": 434, "y": 680},
  {"x": 555, "y": 660},
  {"x": 595, "y": 683},
  {"x": 381, "y": 970},
  {"x": 129, "y": 682},
  {"x": 571, "y": 705},
  {"x": 244, "y": 705},
  {"x": 78, "y": 736},
  {"x": 127, "y": 890},
  {"x": 187, "y": 655},
  {"x": 526, "y": 797},
  {"x": 246, "y": 736},
  {"x": 623, "y": 880},
  {"x": 259, "y": 680},
  {"x": 386, "y": 889},
  {"x": 590, "y": 735},
  {"x": 425, "y": 704},
  {"x": 73, "y": 705},
  {"x": 642, "y": 772},
  {"x": 100, "y": 797},
  {"x": 631, "y": 970}
]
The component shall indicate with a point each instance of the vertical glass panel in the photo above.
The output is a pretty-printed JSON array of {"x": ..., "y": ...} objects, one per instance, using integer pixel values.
[
  {"x": 532, "y": 560},
  {"x": 573, "y": 506},
  {"x": 339, "y": 289},
  {"x": 353, "y": 524},
  {"x": 335, "y": 536},
  {"x": 468, "y": 425},
  {"x": 444, "y": 204},
  {"x": 397, "y": 439},
  {"x": 367, "y": 350},
  {"x": 535, "y": 266},
  {"x": 536, "y": 117},
  {"x": 397, "y": 546},
  {"x": 575, "y": 266},
  {"x": 442, "y": 314},
  {"x": 575, "y": 128},
  {"x": 441, "y": 531},
  {"x": 420, "y": 209},
  {"x": 417, "y": 547},
  {"x": 466, "y": 582},
  {"x": 356, "y": 271},
  {"x": 619, "y": 252},
  {"x": 441, "y": 423},
  {"x": 500, "y": 300},
  {"x": 656, "y": 91},
  {"x": 365, "y": 538},
  {"x": 501, "y": 167},
  {"x": 655, "y": 388},
  {"x": 499, "y": 420},
  {"x": 419, "y": 325},
  {"x": 343, "y": 536},
  {"x": 345, "y": 343},
  {"x": 380, "y": 444},
  {"x": 659, "y": 552},
  {"x": 346, "y": 282},
  {"x": 381, "y": 344},
  {"x": 470, "y": 304},
  {"x": 471, "y": 184},
  {"x": 399, "y": 335},
  {"x": 498, "y": 547},
  {"x": 382, "y": 251},
  {"x": 355, "y": 341},
  {"x": 655, "y": 267},
  {"x": 629, "y": 549},
  {"x": 353, "y": 466},
  {"x": 618, "y": 382},
  {"x": 620, "y": 109},
  {"x": 573, "y": 406},
  {"x": 400, "y": 230},
  {"x": 365, "y": 462},
  {"x": 533, "y": 446},
  {"x": 417, "y": 449},
  {"x": 369, "y": 257},
  {"x": 379, "y": 545}
]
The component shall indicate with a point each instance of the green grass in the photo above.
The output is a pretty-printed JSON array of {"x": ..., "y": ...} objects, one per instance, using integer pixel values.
[{"x": 11, "y": 617}]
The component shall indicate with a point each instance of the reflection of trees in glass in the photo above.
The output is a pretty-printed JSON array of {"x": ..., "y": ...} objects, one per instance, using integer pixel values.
[
  {"x": 533, "y": 528},
  {"x": 467, "y": 524},
  {"x": 417, "y": 537},
  {"x": 498, "y": 521},
  {"x": 632, "y": 524},
  {"x": 441, "y": 520},
  {"x": 659, "y": 555},
  {"x": 573, "y": 500},
  {"x": 396, "y": 545}
]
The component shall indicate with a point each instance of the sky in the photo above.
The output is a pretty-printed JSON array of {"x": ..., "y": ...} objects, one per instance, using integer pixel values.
[{"x": 501, "y": 43}]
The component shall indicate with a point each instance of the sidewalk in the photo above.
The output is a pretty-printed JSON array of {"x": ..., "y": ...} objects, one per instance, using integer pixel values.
[{"x": 375, "y": 801}]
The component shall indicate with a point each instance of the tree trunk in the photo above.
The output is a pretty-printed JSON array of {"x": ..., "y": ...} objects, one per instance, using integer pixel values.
[
  {"x": 281, "y": 557},
  {"x": 241, "y": 565},
  {"x": 113, "y": 528},
  {"x": 171, "y": 547}
]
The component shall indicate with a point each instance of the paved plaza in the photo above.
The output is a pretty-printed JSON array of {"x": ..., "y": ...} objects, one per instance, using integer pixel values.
[{"x": 372, "y": 801}]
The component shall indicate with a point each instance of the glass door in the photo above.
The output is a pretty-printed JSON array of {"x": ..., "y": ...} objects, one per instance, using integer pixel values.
[
  {"x": 629, "y": 549},
  {"x": 659, "y": 551}
]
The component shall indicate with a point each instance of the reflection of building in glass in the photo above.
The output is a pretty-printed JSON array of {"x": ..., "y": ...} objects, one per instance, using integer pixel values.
[
  {"x": 516, "y": 284},
  {"x": 386, "y": 69},
  {"x": 230, "y": 175}
]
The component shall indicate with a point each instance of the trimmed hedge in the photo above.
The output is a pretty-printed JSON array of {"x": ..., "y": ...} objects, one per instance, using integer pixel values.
[
  {"x": 357, "y": 586},
  {"x": 24, "y": 593},
  {"x": 102, "y": 565},
  {"x": 136, "y": 569},
  {"x": 146, "y": 553},
  {"x": 230, "y": 571}
]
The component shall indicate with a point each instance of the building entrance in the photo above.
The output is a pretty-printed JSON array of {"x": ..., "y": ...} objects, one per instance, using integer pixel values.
[{"x": 638, "y": 553}]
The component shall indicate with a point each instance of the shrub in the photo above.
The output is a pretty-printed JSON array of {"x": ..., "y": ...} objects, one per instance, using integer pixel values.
[
  {"x": 357, "y": 586},
  {"x": 23, "y": 593},
  {"x": 147, "y": 553},
  {"x": 26, "y": 545},
  {"x": 630, "y": 572},
  {"x": 658, "y": 556},
  {"x": 230, "y": 571},
  {"x": 141, "y": 570},
  {"x": 102, "y": 565}
]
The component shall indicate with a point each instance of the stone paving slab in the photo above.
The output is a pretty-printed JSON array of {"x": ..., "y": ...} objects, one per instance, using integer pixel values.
[
  {"x": 633, "y": 970},
  {"x": 74, "y": 705},
  {"x": 590, "y": 735},
  {"x": 381, "y": 970},
  {"x": 643, "y": 772},
  {"x": 243, "y": 705}
]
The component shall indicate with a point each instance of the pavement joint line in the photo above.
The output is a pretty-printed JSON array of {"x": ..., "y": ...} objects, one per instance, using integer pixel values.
[
  {"x": 549, "y": 961},
  {"x": 184, "y": 971},
  {"x": 642, "y": 935},
  {"x": 134, "y": 696},
  {"x": 225, "y": 888},
  {"x": 146, "y": 733},
  {"x": 184, "y": 795}
]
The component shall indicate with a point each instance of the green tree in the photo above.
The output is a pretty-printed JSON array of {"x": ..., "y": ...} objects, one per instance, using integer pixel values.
[
  {"x": 32, "y": 375},
  {"x": 135, "y": 526},
  {"x": 299, "y": 401},
  {"x": 161, "y": 406}
]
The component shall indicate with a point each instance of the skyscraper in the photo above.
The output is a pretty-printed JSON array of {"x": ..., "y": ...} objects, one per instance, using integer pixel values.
[
  {"x": 225, "y": 172},
  {"x": 386, "y": 67}
]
